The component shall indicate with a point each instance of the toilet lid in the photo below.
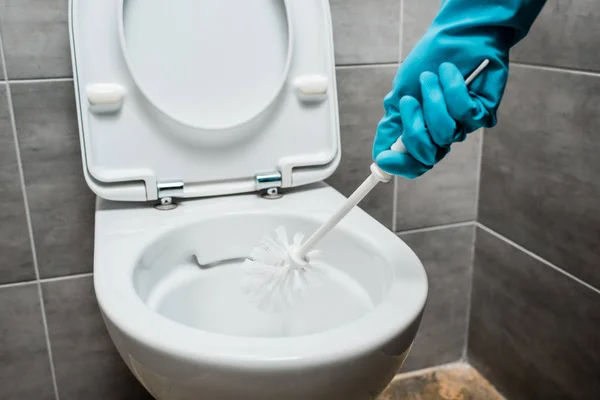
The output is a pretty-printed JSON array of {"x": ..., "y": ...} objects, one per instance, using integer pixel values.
[{"x": 191, "y": 98}]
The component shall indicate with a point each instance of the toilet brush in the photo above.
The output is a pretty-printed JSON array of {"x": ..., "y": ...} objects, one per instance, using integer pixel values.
[{"x": 279, "y": 272}]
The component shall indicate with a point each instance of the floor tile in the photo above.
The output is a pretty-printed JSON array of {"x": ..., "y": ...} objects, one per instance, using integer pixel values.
[
  {"x": 454, "y": 382},
  {"x": 540, "y": 169},
  {"x": 446, "y": 255},
  {"x": 61, "y": 204},
  {"x": 24, "y": 364},
  {"x": 533, "y": 330},
  {"x": 86, "y": 362}
]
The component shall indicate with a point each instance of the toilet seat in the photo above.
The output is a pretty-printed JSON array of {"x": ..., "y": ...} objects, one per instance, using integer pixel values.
[
  {"x": 275, "y": 116},
  {"x": 150, "y": 13},
  {"x": 124, "y": 235}
]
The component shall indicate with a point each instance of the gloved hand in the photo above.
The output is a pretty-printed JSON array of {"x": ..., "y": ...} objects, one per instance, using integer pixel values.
[{"x": 430, "y": 105}]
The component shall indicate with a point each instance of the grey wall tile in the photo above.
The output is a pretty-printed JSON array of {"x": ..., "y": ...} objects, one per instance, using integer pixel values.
[
  {"x": 2, "y": 75},
  {"x": 16, "y": 262},
  {"x": 61, "y": 205},
  {"x": 24, "y": 363},
  {"x": 86, "y": 363},
  {"x": 360, "y": 92},
  {"x": 540, "y": 169},
  {"x": 446, "y": 255},
  {"x": 533, "y": 330},
  {"x": 446, "y": 194},
  {"x": 366, "y": 32},
  {"x": 557, "y": 38},
  {"x": 565, "y": 34},
  {"x": 417, "y": 16},
  {"x": 36, "y": 38}
]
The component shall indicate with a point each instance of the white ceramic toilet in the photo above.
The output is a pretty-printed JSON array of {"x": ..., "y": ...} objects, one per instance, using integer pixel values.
[{"x": 204, "y": 125}]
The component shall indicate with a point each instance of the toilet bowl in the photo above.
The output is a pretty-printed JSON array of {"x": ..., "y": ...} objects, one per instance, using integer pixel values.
[
  {"x": 187, "y": 187},
  {"x": 170, "y": 290}
]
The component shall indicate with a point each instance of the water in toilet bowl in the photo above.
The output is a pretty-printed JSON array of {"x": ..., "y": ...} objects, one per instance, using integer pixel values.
[
  {"x": 210, "y": 300},
  {"x": 193, "y": 275}
]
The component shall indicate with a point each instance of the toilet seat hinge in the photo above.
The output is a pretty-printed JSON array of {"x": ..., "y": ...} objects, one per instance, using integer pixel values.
[
  {"x": 269, "y": 183},
  {"x": 167, "y": 191}
]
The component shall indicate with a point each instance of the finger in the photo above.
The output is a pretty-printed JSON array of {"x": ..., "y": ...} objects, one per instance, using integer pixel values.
[
  {"x": 415, "y": 137},
  {"x": 401, "y": 164},
  {"x": 439, "y": 123},
  {"x": 388, "y": 131},
  {"x": 460, "y": 104}
]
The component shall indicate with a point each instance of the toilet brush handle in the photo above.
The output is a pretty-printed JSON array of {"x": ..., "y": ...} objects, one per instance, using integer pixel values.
[
  {"x": 399, "y": 146},
  {"x": 377, "y": 175}
]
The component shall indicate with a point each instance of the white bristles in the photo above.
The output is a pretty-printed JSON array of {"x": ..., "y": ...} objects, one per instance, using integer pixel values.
[{"x": 273, "y": 281}]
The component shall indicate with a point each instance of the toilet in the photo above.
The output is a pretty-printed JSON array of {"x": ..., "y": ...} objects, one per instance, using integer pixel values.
[{"x": 205, "y": 125}]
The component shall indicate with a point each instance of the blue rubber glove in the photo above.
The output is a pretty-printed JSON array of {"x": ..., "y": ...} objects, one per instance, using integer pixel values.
[{"x": 430, "y": 105}]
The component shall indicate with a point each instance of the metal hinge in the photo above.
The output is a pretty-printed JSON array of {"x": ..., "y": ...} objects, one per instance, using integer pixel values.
[
  {"x": 166, "y": 192},
  {"x": 269, "y": 182}
]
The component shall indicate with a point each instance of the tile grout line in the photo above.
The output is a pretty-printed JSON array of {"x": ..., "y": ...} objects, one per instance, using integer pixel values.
[
  {"x": 11, "y": 113},
  {"x": 16, "y": 284},
  {"x": 395, "y": 204},
  {"x": 395, "y": 183},
  {"x": 395, "y": 64},
  {"x": 401, "y": 33},
  {"x": 369, "y": 65},
  {"x": 472, "y": 270},
  {"x": 469, "y": 297},
  {"x": 436, "y": 227},
  {"x": 357, "y": 65},
  {"x": 67, "y": 277},
  {"x": 395, "y": 178},
  {"x": 536, "y": 257},
  {"x": 39, "y": 80},
  {"x": 479, "y": 168},
  {"x": 47, "y": 280},
  {"x": 555, "y": 69}
]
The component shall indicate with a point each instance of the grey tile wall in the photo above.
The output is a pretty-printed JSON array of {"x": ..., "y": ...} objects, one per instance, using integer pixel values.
[
  {"x": 16, "y": 260},
  {"x": 447, "y": 257},
  {"x": 539, "y": 184},
  {"x": 535, "y": 318},
  {"x": 565, "y": 34},
  {"x": 24, "y": 363},
  {"x": 35, "y": 38},
  {"x": 2, "y": 72},
  {"x": 444, "y": 195},
  {"x": 448, "y": 193},
  {"x": 86, "y": 362},
  {"x": 366, "y": 32},
  {"x": 61, "y": 205},
  {"x": 361, "y": 91},
  {"x": 533, "y": 330},
  {"x": 417, "y": 16}
]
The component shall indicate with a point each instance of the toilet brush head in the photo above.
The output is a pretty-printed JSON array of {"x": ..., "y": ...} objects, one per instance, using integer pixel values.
[{"x": 275, "y": 278}]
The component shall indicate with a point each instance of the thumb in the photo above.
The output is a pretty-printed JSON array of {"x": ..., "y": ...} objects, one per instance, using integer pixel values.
[{"x": 401, "y": 164}]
